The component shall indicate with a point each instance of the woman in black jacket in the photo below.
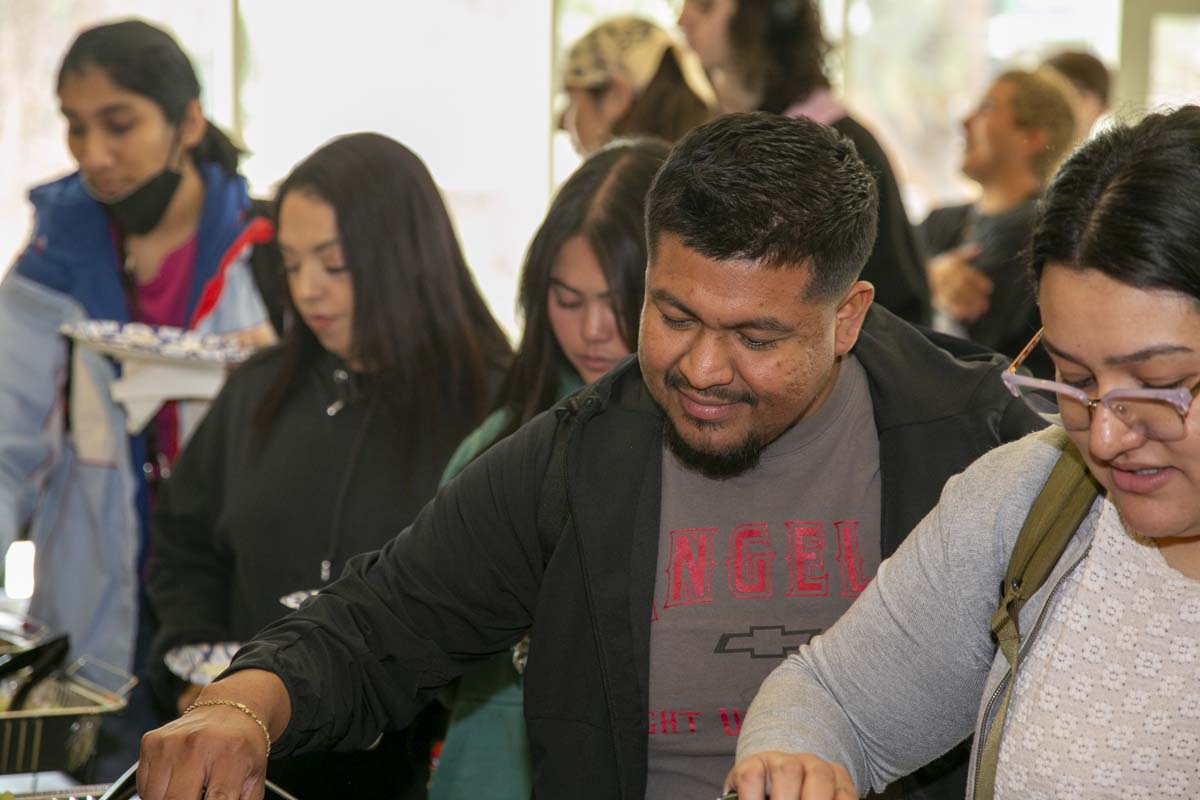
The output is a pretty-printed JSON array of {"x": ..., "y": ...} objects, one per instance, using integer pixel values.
[{"x": 337, "y": 437}]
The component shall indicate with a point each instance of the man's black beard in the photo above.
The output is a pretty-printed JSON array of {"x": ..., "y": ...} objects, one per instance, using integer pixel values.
[{"x": 720, "y": 465}]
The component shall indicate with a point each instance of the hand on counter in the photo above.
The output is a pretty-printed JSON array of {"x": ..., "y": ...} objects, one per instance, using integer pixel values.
[
  {"x": 790, "y": 776},
  {"x": 217, "y": 750}
]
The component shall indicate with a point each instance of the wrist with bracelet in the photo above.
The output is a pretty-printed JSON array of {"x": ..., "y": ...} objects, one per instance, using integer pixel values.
[{"x": 240, "y": 707}]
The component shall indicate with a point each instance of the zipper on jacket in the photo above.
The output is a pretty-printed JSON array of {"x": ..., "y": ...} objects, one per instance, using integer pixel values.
[
  {"x": 605, "y": 679},
  {"x": 980, "y": 735}
]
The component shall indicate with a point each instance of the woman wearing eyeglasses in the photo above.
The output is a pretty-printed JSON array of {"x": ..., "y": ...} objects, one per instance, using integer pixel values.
[{"x": 1106, "y": 700}]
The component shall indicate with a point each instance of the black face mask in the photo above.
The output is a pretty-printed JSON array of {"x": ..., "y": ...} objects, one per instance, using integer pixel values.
[{"x": 140, "y": 210}]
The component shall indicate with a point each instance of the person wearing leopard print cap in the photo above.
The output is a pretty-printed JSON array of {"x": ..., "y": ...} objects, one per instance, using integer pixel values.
[{"x": 628, "y": 77}]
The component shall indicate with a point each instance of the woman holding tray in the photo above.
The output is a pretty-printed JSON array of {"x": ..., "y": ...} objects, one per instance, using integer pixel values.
[{"x": 153, "y": 227}]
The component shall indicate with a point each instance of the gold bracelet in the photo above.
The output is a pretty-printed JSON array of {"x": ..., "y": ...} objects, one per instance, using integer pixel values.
[{"x": 242, "y": 707}]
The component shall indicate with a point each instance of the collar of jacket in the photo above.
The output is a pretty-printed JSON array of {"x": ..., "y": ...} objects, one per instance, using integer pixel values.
[
  {"x": 72, "y": 248},
  {"x": 952, "y": 372}
]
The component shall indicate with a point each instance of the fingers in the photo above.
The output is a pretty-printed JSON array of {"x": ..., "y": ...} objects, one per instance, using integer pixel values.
[
  {"x": 231, "y": 779},
  {"x": 790, "y": 776}
]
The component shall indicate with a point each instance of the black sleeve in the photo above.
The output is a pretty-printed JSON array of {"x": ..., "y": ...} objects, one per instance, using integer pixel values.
[
  {"x": 456, "y": 586},
  {"x": 190, "y": 570}
]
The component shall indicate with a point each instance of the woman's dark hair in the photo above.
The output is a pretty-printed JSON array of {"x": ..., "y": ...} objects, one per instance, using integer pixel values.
[
  {"x": 667, "y": 108},
  {"x": 778, "y": 48},
  {"x": 1127, "y": 203},
  {"x": 421, "y": 331},
  {"x": 603, "y": 201},
  {"x": 146, "y": 60}
]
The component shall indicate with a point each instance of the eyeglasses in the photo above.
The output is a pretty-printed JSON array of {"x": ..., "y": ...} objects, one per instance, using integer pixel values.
[{"x": 1159, "y": 414}]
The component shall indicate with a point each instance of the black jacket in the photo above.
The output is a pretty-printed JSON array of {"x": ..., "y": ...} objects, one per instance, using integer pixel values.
[
  {"x": 242, "y": 523},
  {"x": 492, "y": 557}
]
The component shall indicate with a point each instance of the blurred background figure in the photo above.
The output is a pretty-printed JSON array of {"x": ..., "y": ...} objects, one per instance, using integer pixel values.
[
  {"x": 627, "y": 77},
  {"x": 136, "y": 234},
  {"x": 1086, "y": 87},
  {"x": 581, "y": 292},
  {"x": 771, "y": 55},
  {"x": 1012, "y": 143},
  {"x": 326, "y": 446}
]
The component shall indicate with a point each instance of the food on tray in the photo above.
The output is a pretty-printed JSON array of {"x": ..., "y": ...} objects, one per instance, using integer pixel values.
[{"x": 135, "y": 338}]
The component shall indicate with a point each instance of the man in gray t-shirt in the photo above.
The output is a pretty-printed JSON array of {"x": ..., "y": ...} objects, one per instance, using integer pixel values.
[{"x": 750, "y": 568}]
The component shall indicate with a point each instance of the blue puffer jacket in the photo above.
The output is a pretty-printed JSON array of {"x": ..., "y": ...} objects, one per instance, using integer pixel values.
[{"x": 67, "y": 467}]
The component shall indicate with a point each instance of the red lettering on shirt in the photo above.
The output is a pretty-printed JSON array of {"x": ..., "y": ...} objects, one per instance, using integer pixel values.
[
  {"x": 666, "y": 721},
  {"x": 749, "y": 562},
  {"x": 689, "y": 577},
  {"x": 850, "y": 559},
  {"x": 731, "y": 729},
  {"x": 806, "y": 554}
]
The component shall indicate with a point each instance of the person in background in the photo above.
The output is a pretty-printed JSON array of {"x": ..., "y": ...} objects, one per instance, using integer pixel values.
[
  {"x": 1012, "y": 142},
  {"x": 328, "y": 445},
  {"x": 665, "y": 535},
  {"x": 1105, "y": 702},
  {"x": 626, "y": 77},
  {"x": 581, "y": 291},
  {"x": 155, "y": 218},
  {"x": 770, "y": 55},
  {"x": 1086, "y": 86}
]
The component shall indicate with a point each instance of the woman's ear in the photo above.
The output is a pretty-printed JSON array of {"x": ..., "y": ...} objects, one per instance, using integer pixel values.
[
  {"x": 193, "y": 126},
  {"x": 617, "y": 100}
]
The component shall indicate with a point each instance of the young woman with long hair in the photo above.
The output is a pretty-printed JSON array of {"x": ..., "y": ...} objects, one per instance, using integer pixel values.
[
  {"x": 338, "y": 436},
  {"x": 580, "y": 296}
]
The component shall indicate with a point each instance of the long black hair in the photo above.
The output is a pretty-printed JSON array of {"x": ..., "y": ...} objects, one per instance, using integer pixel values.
[
  {"x": 779, "y": 49},
  {"x": 667, "y": 108},
  {"x": 603, "y": 201},
  {"x": 146, "y": 60},
  {"x": 1127, "y": 203},
  {"x": 421, "y": 330}
]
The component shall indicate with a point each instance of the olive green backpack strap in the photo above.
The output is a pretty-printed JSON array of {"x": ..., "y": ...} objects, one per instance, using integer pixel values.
[{"x": 1056, "y": 514}]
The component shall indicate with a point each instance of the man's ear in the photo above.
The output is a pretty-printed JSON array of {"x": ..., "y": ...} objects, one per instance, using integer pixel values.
[
  {"x": 1035, "y": 141},
  {"x": 851, "y": 311}
]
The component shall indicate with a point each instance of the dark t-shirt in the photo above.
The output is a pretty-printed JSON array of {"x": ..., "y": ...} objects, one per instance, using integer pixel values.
[
  {"x": 1012, "y": 317},
  {"x": 748, "y": 570}
]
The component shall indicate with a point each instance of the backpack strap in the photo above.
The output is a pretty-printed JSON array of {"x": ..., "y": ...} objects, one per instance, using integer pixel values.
[{"x": 1064, "y": 501}]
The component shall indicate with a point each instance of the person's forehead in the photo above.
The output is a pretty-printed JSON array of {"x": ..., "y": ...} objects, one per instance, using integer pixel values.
[
  {"x": 728, "y": 287},
  {"x": 92, "y": 85}
]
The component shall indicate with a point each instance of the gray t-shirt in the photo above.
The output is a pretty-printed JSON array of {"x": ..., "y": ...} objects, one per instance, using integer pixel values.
[{"x": 748, "y": 570}]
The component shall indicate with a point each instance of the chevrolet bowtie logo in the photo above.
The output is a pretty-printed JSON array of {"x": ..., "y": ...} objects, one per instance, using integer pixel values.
[{"x": 765, "y": 641}]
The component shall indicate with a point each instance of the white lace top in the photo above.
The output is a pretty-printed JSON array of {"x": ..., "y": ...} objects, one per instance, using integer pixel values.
[{"x": 1107, "y": 701}]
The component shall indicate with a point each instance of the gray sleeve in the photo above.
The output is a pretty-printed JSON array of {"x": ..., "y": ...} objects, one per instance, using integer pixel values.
[
  {"x": 897, "y": 681},
  {"x": 34, "y": 356}
]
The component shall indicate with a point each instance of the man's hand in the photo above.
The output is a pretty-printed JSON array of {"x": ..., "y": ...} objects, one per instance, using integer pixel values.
[
  {"x": 790, "y": 776},
  {"x": 217, "y": 752},
  {"x": 958, "y": 289}
]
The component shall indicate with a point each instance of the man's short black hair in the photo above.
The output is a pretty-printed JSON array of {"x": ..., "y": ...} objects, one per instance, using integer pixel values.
[{"x": 785, "y": 193}]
